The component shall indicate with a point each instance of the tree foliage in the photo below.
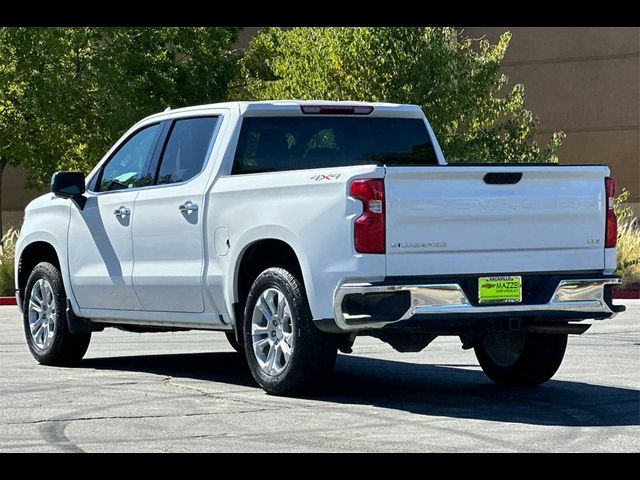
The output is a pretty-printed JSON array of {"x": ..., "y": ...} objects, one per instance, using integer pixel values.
[
  {"x": 456, "y": 80},
  {"x": 66, "y": 94}
]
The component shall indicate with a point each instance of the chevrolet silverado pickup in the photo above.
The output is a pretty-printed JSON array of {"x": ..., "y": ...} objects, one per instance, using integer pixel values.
[{"x": 296, "y": 226}]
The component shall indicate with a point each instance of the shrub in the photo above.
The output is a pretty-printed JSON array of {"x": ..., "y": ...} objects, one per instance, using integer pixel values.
[
  {"x": 7, "y": 262},
  {"x": 458, "y": 81},
  {"x": 628, "y": 241}
]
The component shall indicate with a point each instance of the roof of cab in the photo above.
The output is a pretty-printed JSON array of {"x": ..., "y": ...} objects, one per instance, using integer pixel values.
[{"x": 288, "y": 106}]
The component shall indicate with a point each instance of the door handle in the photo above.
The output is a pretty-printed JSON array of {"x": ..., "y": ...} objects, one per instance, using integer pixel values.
[
  {"x": 188, "y": 207},
  {"x": 122, "y": 212}
]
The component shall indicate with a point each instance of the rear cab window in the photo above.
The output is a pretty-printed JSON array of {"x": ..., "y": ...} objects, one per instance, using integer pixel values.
[
  {"x": 186, "y": 149},
  {"x": 272, "y": 144}
]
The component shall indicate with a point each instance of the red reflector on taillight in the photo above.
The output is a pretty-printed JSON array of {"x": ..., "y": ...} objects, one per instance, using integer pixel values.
[
  {"x": 336, "y": 109},
  {"x": 611, "y": 227},
  {"x": 369, "y": 234}
]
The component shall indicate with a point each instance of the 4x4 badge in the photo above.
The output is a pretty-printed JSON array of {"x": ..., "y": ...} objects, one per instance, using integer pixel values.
[{"x": 331, "y": 176}]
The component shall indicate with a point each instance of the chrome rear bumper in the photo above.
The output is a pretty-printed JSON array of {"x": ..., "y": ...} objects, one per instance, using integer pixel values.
[{"x": 585, "y": 296}]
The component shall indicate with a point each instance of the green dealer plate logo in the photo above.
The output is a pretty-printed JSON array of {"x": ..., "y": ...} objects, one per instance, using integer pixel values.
[{"x": 500, "y": 289}]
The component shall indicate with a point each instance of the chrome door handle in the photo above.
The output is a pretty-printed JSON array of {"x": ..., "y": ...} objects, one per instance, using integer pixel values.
[
  {"x": 122, "y": 212},
  {"x": 188, "y": 207}
]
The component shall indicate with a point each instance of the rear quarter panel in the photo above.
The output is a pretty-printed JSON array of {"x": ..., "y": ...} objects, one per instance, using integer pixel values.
[{"x": 308, "y": 209}]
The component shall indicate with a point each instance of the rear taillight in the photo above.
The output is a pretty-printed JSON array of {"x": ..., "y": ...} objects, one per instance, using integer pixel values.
[
  {"x": 369, "y": 227},
  {"x": 611, "y": 228}
]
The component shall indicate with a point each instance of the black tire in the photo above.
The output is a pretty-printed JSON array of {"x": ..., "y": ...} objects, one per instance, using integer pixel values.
[
  {"x": 314, "y": 352},
  {"x": 533, "y": 360},
  {"x": 231, "y": 338},
  {"x": 66, "y": 348}
]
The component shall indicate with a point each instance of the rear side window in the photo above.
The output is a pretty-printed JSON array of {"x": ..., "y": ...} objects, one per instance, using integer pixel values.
[
  {"x": 186, "y": 149},
  {"x": 269, "y": 144}
]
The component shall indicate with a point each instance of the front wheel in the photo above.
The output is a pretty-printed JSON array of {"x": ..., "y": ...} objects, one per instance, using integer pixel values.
[
  {"x": 286, "y": 353},
  {"x": 45, "y": 320},
  {"x": 520, "y": 359}
]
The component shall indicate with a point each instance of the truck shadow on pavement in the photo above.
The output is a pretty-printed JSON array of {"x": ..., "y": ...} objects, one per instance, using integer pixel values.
[{"x": 436, "y": 390}]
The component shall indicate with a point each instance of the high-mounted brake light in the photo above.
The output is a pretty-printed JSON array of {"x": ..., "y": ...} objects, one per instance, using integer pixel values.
[
  {"x": 611, "y": 228},
  {"x": 336, "y": 109},
  {"x": 369, "y": 228}
]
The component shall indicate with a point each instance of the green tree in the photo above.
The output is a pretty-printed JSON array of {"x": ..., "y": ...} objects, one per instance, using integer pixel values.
[
  {"x": 456, "y": 80},
  {"x": 66, "y": 94}
]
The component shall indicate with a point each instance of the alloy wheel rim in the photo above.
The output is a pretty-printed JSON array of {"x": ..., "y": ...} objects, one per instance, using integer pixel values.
[
  {"x": 272, "y": 331},
  {"x": 42, "y": 314}
]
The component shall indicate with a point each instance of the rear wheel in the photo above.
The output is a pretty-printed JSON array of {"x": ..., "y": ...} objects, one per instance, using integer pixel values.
[
  {"x": 286, "y": 353},
  {"x": 45, "y": 320},
  {"x": 520, "y": 359}
]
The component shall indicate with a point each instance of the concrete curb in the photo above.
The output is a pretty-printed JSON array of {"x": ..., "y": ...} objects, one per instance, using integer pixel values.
[{"x": 8, "y": 301}]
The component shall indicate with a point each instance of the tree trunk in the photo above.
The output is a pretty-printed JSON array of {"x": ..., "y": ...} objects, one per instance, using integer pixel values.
[{"x": 3, "y": 163}]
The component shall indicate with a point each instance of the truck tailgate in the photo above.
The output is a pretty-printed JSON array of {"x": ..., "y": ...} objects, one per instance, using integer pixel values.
[{"x": 445, "y": 220}]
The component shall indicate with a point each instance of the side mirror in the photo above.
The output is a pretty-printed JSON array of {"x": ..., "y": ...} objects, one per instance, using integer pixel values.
[{"x": 69, "y": 185}]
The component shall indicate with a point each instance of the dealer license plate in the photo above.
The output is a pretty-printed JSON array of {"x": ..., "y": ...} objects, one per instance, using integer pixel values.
[{"x": 500, "y": 289}]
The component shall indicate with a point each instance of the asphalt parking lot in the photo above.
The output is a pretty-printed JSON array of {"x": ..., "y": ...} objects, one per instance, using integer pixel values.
[{"x": 184, "y": 392}]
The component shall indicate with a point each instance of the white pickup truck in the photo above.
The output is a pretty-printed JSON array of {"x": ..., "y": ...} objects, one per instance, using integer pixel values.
[{"x": 294, "y": 227}]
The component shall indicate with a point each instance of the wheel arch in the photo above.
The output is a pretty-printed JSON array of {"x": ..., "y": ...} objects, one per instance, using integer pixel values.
[
  {"x": 33, "y": 254},
  {"x": 33, "y": 251},
  {"x": 260, "y": 255},
  {"x": 256, "y": 257}
]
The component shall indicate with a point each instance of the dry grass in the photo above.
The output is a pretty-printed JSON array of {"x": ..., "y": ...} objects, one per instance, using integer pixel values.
[
  {"x": 628, "y": 242},
  {"x": 7, "y": 252}
]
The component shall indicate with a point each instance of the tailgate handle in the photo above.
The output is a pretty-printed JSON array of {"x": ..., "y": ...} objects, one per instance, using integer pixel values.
[{"x": 502, "y": 178}]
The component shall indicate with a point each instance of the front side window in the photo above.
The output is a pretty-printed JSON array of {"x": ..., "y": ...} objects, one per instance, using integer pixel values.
[
  {"x": 271, "y": 144},
  {"x": 127, "y": 168},
  {"x": 186, "y": 150}
]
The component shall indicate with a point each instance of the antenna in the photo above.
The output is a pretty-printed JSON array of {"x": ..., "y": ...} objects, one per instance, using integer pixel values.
[{"x": 167, "y": 109}]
